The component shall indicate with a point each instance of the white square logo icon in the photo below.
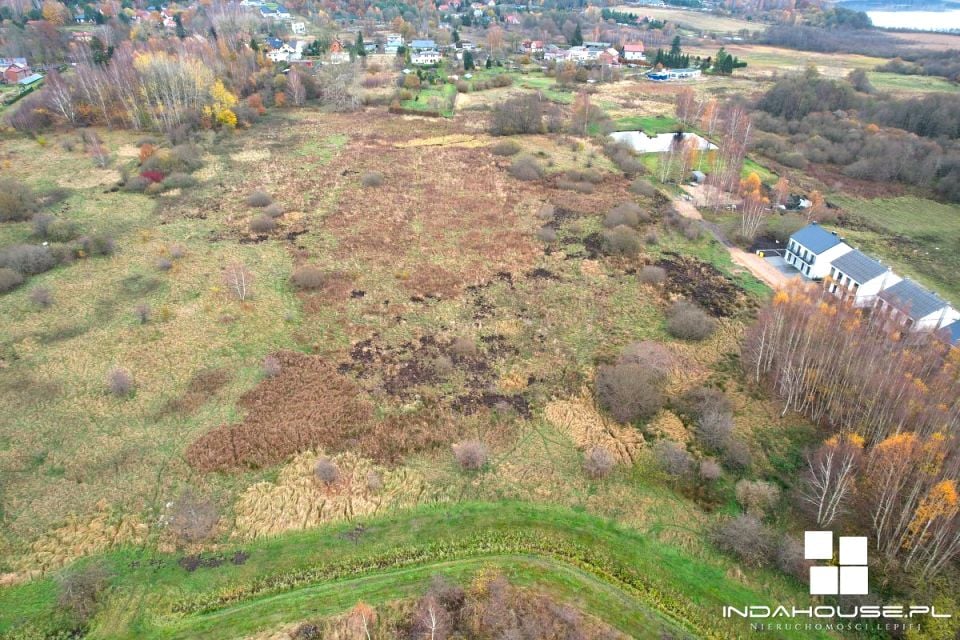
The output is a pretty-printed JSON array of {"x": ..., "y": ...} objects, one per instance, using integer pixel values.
[
  {"x": 853, "y": 581},
  {"x": 853, "y": 550},
  {"x": 824, "y": 581},
  {"x": 818, "y": 545}
]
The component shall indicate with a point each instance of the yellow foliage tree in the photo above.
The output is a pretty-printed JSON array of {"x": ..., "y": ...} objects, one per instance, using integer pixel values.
[{"x": 222, "y": 108}]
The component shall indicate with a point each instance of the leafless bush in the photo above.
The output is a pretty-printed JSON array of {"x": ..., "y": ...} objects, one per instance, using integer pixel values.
[
  {"x": 699, "y": 400},
  {"x": 522, "y": 114},
  {"x": 736, "y": 455},
  {"x": 41, "y": 222},
  {"x": 9, "y": 279},
  {"x": 471, "y": 455},
  {"x": 625, "y": 213},
  {"x": 654, "y": 275},
  {"x": 547, "y": 212},
  {"x": 309, "y": 277},
  {"x": 193, "y": 519},
  {"x": 41, "y": 297},
  {"x": 27, "y": 259},
  {"x": 526, "y": 168},
  {"x": 629, "y": 391},
  {"x": 372, "y": 179},
  {"x": 259, "y": 199},
  {"x": 327, "y": 471},
  {"x": 98, "y": 244},
  {"x": 274, "y": 211},
  {"x": 790, "y": 559},
  {"x": 651, "y": 355},
  {"x": 463, "y": 348},
  {"x": 505, "y": 148},
  {"x": 81, "y": 590},
  {"x": 262, "y": 224},
  {"x": 714, "y": 428},
  {"x": 17, "y": 200},
  {"x": 687, "y": 321},
  {"x": 176, "y": 251},
  {"x": 757, "y": 497},
  {"x": 271, "y": 366},
  {"x": 746, "y": 538},
  {"x": 642, "y": 187},
  {"x": 164, "y": 264},
  {"x": 374, "y": 481},
  {"x": 239, "y": 281},
  {"x": 674, "y": 458},
  {"x": 621, "y": 241},
  {"x": 710, "y": 471},
  {"x": 142, "y": 312},
  {"x": 571, "y": 185},
  {"x": 651, "y": 238},
  {"x": 547, "y": 234},
  {"x": 120, "y": 382},
  {"x": 598, "y": 463}
]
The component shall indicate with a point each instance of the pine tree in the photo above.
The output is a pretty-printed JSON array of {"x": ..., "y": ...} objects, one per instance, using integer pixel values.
[
  {"x": 489, "y": 63},
  {"x": 468, "y": 61},
  {"x": 577, "y": 38},
  {"x": 359, "y": 47}
]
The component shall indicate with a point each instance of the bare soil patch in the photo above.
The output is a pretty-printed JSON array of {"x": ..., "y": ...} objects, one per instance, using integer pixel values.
[{"x": 703, "y": 283}]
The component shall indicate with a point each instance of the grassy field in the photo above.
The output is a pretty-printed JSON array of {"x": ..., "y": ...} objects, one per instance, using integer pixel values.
[
  {"x": 919, "y": 238},
  {"x": 898, "y": 83},
  {"x": 699, "y": 21},
  {"x": 658, "y": 588}
]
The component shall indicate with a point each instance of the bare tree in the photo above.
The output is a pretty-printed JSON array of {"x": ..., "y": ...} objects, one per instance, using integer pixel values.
[
  {"x": 829, "y": 479},
  {"x": 431, "y": 620},
  {"x": 238, "y": 280},
  {"x": 296, "y": 91}
]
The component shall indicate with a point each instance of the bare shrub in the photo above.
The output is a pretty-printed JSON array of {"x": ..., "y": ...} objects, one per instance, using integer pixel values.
[
  {"x": 259, "y": 199},
  {"x": 239, "y": 281},
  {"x": 687, "y": 321},
  {"x": 98, "y": 244},
  {"x": 522, "y": 114},
  {"x": 309, "y": 277},
  {"x": 193, "y": 519},
  {"x": 578, "y": 186},
  {"x": 442, "y": 366},
  {"x": 653, "y": 275},
  {"x": 163, "y": 264},
  {"x": 17, "y": 200},
  {"x": 326, "y": 471},
  {"x": 756, "y": 496},
  {"x": 674, "y": 458},
  {"x": 651, "y": 238},
  {"x": 27, "y": 259},
  {"x": 80, "y": 591},
  {"x": 271, "y": 366},
  {"x": 41, "y": 297},
  {"x": 547, "y": 234},
  {"x": 625, "y": 213},
  {"x": 41, "y": 222},
  {"x": 790, "y": 559},
  {"x": 526, "y": 168},
  {"x": 374, "y": 481},
  {"x": 710, "y": 471},
  {"x": 61, "y": 230},
  {"x": 372, "y": 179},
  {"x": 274, "y": 211},
  {"x": 737, "y": 455},
  {"x": 598, "y": 463},
  {"x": 643, "y": 187},
  {"x": 179, "y": 180},
  {"x": 471, "y": 455},
  {"x": 714, "y": 428},
  {"x": 120, "y": 382},
  {"x": 629, "y": 391},
  {"x": 546, "y": 212},
  {"x": 463, "y": 348},
  {"x": 142, "y": 312},
  {"x": 650, "y": 355},
  {"x": 262, "y": 224},
  {"x": 699, "y": 400},
  {"x": 176, "y": 251},
  {"x": 746, "y": 538},
  {"x": 9, "y": 279},
  {"x": 621, "y": 241},
  {"x": 505, "y": 148}
]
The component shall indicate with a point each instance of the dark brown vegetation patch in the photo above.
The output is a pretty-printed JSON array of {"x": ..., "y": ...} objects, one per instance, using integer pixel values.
[
  {"x": 308, "y": 405},
  {"x": 202, "y": 387},
  {"x": 703, "y": 283}
]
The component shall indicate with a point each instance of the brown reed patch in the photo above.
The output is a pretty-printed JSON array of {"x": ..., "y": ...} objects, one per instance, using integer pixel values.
[{"x": 580, "y": 419}]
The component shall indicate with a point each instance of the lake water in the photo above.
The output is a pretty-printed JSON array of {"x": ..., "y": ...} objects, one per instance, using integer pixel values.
[
  {"x": 922, "y": 20},
  {"x": 642, "y": 143}
]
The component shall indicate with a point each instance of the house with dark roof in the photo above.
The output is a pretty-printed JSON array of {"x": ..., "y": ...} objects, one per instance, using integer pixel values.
[
  {"x": 914, "y": 307},
  {"x": 858, "y": 277},
  {"x": 811, "y": 251},
  {"x": 951, "y": 333}
]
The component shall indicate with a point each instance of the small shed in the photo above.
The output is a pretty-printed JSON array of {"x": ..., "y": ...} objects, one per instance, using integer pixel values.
[{"x": 698, "y": 177}]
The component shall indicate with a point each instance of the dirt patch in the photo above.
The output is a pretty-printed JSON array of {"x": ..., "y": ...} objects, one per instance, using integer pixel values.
[
  {"x": 703, "y": 283},
  {"x": 307, "y": 405}
]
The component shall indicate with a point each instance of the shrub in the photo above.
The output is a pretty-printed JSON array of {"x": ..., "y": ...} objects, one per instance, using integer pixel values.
[
  {"x": 546, "y": 212},
  {"x": 790, "y": 559},
  {"x": 62, "y": 230},
  {"x": 710, "y": 471},
  {"x": 471, "y": 455},
  {"x": 522, "y": 114},
  {"x": 176, "y": 251},
  {"x": 9, "y": 279},
  {"x": 374, "y": 481},
  {"x": 41, "y": 297},
  {"x": 674, "y": 458},
  {"x": 137, "y": 184},
  {"x": 183, "y": 158},
  {"x": 372, "y": 179},
  {"x": 274, "y": 211},
  {"x": 526, "y": 168},
  {"x": 687, "y": 321},
  {"x": 699, "y": 400},
  {"x": 163, "y": 264},
  {"x": 651, "y": 238},
  {"x": 625, "y": 213},
  {"x": 99, "y": 244},
  {"x": 152, "y": 177},
  {"x": 736, "y": 455},
  {"x": 262, "y": 224},
  {"x": 259, "y": 199},
  {"x": 179, "y": 181},
  {"x": 463, "y": 348},
  {"x": 27, "y": 259},
  {"x": 714, "y": 428},
  {"x": 629, "y": 391},
  {"x": 326, "y": 471},
  {"x": 756, "y": 496},
  {"x": 579, "y": 187},
  {"x": 651, "y": 355},
  {"x": 642, "y": 187},
  {"x": 598, "y": 463},
  {"x": 505, "y": 148},
  {"x": 746, "y": 538},
  {"x": 17, "y": 200},
  {"x": 142, "y": 312},
  {"x": 193, "y": 519},
  {"x": 80, "y": 591},
  {"x": 309, "y": 277},
  {"x": 547, "y": 234},
  {"x": 120, "y": 382},
  {"x": 41, "y": 222},
  {"x": 271, "y": 366},
  {"x": 653, "y": 275},
  {"x": 621, "y": 241}
]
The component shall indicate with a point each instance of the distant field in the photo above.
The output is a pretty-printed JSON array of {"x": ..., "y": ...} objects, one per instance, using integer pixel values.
[
  {"x": 898, "y": 83},
  {"x": 921, "y": 238},
  {"x": 933, "y": 41},
  {"x": 696, "y": 20},
  {"x": 763, "y": 61}
]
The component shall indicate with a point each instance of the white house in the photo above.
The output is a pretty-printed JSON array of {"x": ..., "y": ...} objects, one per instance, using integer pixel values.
[
  {"x": 633, "y": 52},
  {"x": 392, "y": 43},
  {"x": 912, "y": 306},
  {"x": 298, "y": 28},
  {"x": 670, "y": 75},
  {"x": 812, "y": 250},
  {"x": 425, "y": 57},
  {"x": 423, "y": 45},
  {"x": 859, "y": 277}
]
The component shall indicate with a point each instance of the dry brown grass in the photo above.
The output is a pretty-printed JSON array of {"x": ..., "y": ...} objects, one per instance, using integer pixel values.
[{"x": 580, "y": 419}]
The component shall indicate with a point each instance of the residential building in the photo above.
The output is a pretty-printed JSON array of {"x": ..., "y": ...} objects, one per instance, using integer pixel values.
[
  {"x": 812, "y": 249},
  {"x": 671, "y": 75},
  {"x": 634, "y": 52},
  {"x": 858, "y": 277},
  {"x": 392, "y": 43},
  {"x": 336, "y": 54},
  {"x": 423, "y": 45},
  {"x": 914, "y": 307},
  {"x": 13, "y": 73},
  {"x": 951, "y": 333},
  {"x": 428, "y": 57},
  {"x": 298, "y": 28}
]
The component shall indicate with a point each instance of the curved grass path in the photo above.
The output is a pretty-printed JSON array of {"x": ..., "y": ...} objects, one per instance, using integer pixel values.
[{"x": 632, "y": 581}]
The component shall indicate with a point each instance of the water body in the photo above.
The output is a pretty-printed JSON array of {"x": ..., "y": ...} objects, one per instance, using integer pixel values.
[
  {"x": 642, "y": 143},
  {"x": 947, "y": 20}
]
